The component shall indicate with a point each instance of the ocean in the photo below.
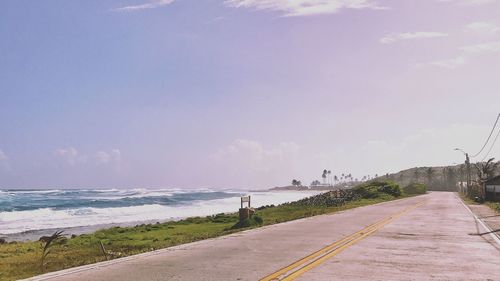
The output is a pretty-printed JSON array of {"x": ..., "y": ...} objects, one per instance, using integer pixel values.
[{"x": 34, "y": 210}]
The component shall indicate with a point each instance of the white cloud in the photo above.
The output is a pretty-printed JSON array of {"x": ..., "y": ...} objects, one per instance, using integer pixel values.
[
  {"x": 69, "y": 155},
  {"x": 482, "y": 27},
  {"x": 3, "y": 156},
  {"x": 304, "y": 7},
  {"x": 467, "y": 52},
  {"x": 72, "y": 157},
  {"x": 391, "y": 38},
  {"x": 450, "y": 63},
  {"x": 490, "y": 47},
  {"x": 113, "y": 157},
  {"x": 4, "y": 161},
  {"x": 149, "y": 5},
  {"x": 252, "y": 155},
  {"x": 470, "y": 2}
]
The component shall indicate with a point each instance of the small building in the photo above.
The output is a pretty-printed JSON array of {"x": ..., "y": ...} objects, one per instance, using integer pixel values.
[{"x": 492, "y": 187}]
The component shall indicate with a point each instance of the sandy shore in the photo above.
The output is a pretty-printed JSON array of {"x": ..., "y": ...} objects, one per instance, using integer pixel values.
[{"x": 34, "y": 235}]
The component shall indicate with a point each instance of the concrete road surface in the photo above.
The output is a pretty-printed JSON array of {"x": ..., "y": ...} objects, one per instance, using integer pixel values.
[{"x": 427, "y": 237}]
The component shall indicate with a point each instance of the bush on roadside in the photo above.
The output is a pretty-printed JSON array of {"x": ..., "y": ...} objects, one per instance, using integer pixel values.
[
  {"x": 255, "y": 220},
  {"x": 375, "y": 189},
  {"x": 415, "y": 188}
]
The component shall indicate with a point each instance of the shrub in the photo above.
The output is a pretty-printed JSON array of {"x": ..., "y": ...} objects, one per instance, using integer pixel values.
[
  {"x": 415, "y": 188},
  {"x": 258, "y": 219},
  {"x": 374, "y": 189},
  {"x": 253, "y": 221}
]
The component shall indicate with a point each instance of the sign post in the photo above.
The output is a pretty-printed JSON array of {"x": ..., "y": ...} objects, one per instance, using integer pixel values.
[{"x": 246, "y": 212}]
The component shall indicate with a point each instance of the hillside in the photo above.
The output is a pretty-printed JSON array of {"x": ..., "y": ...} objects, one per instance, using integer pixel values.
[{"x": 436, "y": 178}]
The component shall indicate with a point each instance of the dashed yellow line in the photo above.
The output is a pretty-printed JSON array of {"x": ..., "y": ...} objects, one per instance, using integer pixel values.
[{"x": 307, "y": 263}]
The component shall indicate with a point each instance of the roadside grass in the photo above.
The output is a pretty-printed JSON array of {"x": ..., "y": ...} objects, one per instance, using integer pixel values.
[
  {"x": 22, "y": 259},
  {"x": 495, "y": 206},
  {"x": 467, "y": 200}
]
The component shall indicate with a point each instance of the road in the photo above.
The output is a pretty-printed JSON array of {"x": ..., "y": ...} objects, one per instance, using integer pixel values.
[{"x": 428, "y": 237}]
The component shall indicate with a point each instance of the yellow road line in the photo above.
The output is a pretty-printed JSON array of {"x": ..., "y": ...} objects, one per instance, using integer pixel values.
[
  {"x": 333, "y": 249},
  {"x": 320, "y": 252}
]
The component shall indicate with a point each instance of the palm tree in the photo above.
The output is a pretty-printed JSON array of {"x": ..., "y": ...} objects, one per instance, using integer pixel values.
[
  {"x": 485, "y": 171},
  {"x": 47, "y": 242},
  {"x": 324, "y": 176},
  {"x": 329, "y": 176}
]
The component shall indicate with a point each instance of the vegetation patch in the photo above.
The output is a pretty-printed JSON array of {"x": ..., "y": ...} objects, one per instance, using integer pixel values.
[
  {"x": 415, "y": 188},
  {"x": 494, "y": 205},
  {"x": 255, "y": 220},
  {"x": 375, "y": 189}
]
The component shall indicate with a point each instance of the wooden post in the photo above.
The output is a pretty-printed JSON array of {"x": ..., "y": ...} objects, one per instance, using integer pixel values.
[{"x": 103, "y": 250}]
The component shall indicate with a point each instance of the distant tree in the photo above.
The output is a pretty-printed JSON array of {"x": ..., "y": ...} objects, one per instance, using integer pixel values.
[
  {"x": 451, "y": 179},
  {"x": 461, "y": 173},
  {"x": 485, "y": 171},
  {"x": 416, "y": 174},
  {"x": 445, "y": 177},
  {"x": 315, "y": 183},
  {"x": 329, "y": 176},
  {"x": 429, "y": 173},
  {"x": 324, "y": 176}
]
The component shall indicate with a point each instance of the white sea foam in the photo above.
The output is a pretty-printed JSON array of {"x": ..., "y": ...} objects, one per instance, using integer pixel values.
[
  {"x": 34, "y": 191},
  {"x": 46, "y": 218}
]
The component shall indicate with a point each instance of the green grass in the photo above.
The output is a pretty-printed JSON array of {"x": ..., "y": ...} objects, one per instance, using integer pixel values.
[
  {"x": 494, "y": 206},
  {"x": 467, "y": 200},
  {"x": 22, "y": 260}
]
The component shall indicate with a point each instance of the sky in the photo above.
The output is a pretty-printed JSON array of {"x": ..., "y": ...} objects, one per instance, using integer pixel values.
[{"x": 241, "y": 93}]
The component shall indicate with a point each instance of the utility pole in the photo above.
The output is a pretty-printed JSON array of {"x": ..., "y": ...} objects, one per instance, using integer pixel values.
[
  {"x": 467, "y": 165},
  {"x": 467, "y": 168}
]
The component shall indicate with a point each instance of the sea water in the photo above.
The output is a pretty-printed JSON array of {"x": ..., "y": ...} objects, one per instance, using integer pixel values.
[{"x": 31, "y": 210}]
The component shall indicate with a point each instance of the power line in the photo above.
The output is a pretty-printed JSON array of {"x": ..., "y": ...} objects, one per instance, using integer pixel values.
[
  {"x": 491, "y": 147},
  {"x": 488, "y": 139}
]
